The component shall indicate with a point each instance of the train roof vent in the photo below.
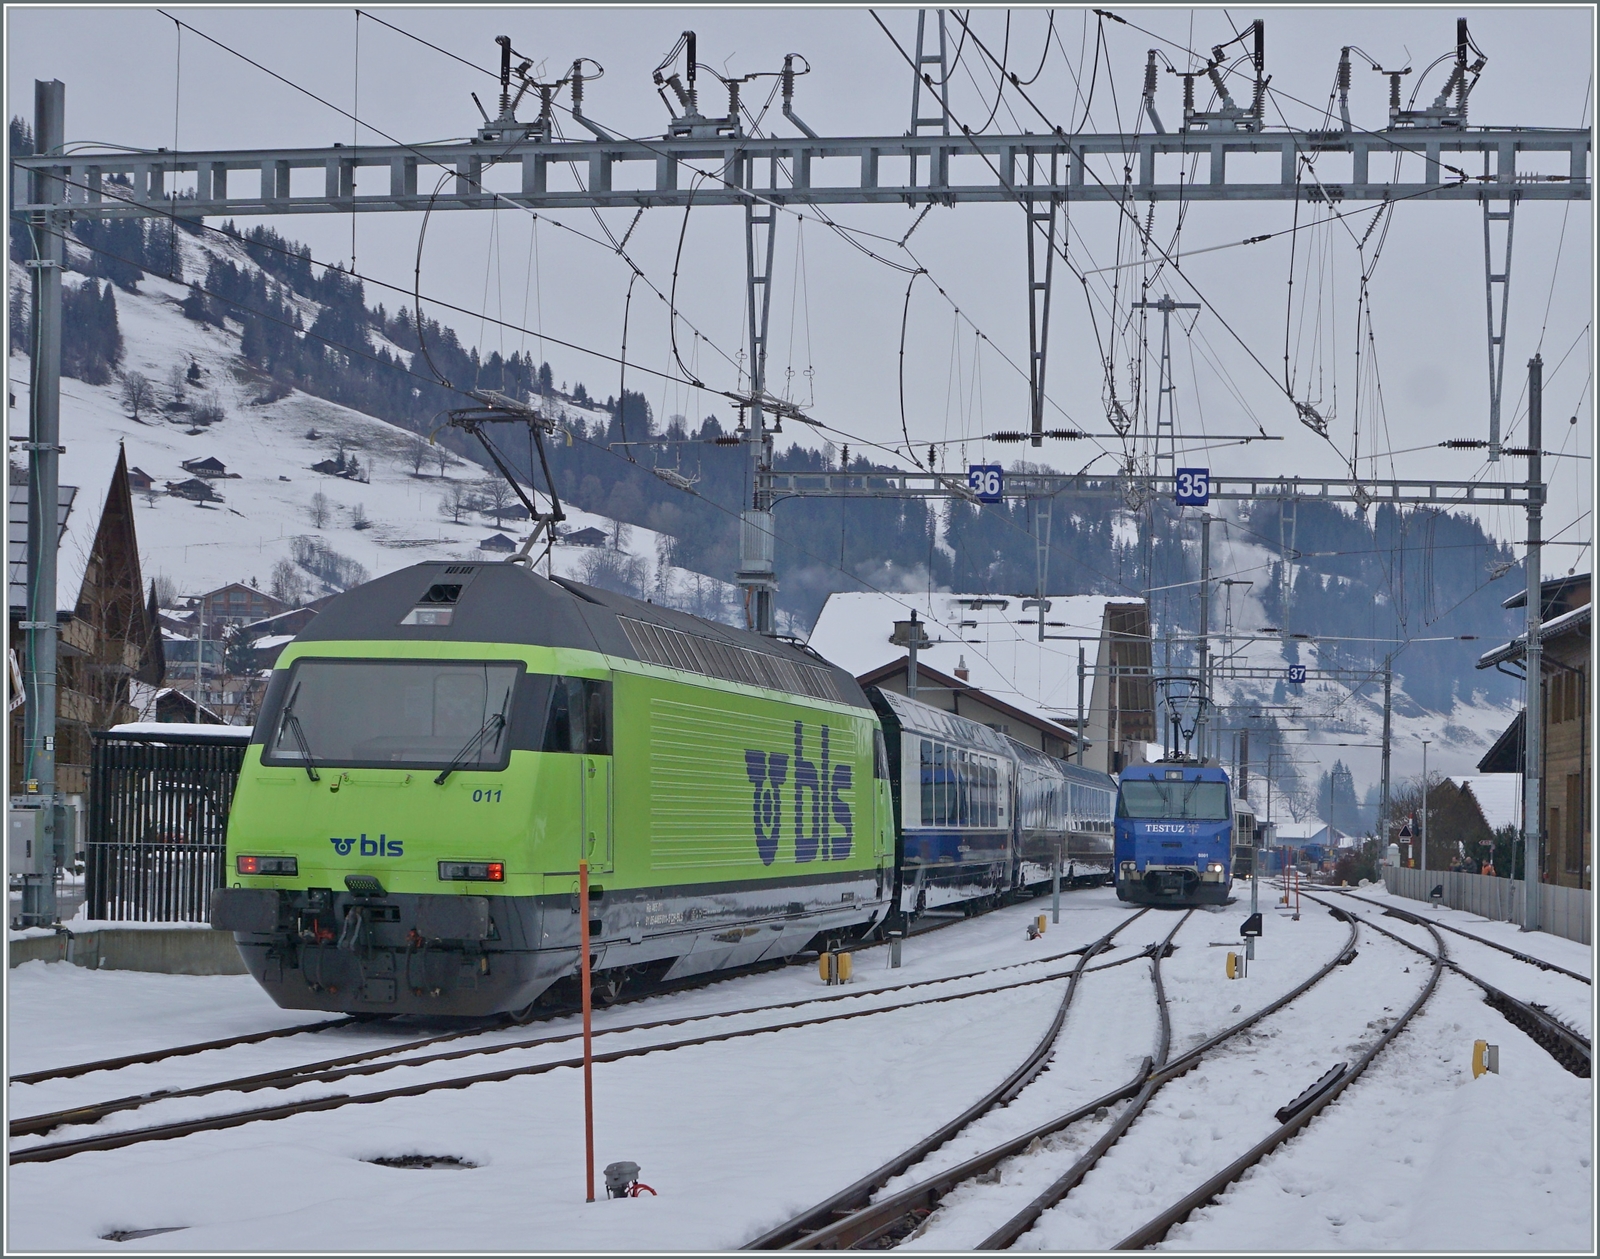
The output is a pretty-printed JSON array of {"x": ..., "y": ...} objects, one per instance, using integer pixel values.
[
  {"x": 699, "y": 653},
  {"x": 460, "y": 570}
]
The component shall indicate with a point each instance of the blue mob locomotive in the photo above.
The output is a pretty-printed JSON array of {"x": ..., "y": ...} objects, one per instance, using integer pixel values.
[{"x": 1174, "y": 835}]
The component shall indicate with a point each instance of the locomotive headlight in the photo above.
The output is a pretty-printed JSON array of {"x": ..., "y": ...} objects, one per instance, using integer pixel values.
[
  {"x": 1215, "y": 867},
  {"x": 267, "y": 865}
]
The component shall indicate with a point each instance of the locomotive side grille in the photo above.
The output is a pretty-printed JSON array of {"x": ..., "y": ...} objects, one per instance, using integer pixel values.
[{"x": 696, "y": 653}]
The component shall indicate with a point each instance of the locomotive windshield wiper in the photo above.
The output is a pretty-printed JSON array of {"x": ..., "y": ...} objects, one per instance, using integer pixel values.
[
  {"x": 496, "y": 723},
  {"x": 292, "y": 721}
]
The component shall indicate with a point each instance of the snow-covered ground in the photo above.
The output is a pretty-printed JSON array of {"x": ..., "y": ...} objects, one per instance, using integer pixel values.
[
  {"x": 738, "y": 1135},
  {"x": 268, "y": 491}
]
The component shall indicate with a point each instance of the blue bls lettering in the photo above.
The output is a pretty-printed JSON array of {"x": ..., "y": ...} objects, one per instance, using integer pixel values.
[
  {"x": 767, "y": 775},
  {"x": 380, "y": 847},
  {"x": 823, "y": 782}
]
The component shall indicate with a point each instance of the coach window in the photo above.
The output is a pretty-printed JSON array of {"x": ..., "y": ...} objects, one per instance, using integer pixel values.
[{"x": 578, "y": 717}]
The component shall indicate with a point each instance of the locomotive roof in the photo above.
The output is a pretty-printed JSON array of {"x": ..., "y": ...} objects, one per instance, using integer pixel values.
[
  {"x": 1159, "y": 771},
  {"x": 499, "y": 602}
]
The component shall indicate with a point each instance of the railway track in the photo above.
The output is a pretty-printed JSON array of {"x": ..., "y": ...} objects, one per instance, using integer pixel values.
[
  {"x": 555, "y": 1012},
  {"x": 1565, "y": 1044},
  {"x": 880, "y": 1223},
  {"x": 330, "y": 1068},
  {"x": 1408, "y": 916},
  {"x": 1297, "y": 1115},
  {"x": 818, "y": 1219},
  {"x": 339, "y": 1070}
]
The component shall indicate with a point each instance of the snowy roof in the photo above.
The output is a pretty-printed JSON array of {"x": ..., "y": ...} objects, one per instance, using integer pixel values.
[
  {"x": 84, "y": 477},
  {"x": 1289, "y": 832},
  {"x": 17, "y": 536},
  {"x": 274, "y": 640},
  {"x": 1567, "y": 622},
  {"x": 183, "y": 729},
  {"x": 992, "y": 633},
  {"x": 1499, "y": 796}
]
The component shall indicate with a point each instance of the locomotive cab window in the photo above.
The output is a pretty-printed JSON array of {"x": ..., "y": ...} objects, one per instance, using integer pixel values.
[
  {"x": 577, "y": 716},
  {"x": 1188, "y": 801},
  {"x": 421, "y": 714}
]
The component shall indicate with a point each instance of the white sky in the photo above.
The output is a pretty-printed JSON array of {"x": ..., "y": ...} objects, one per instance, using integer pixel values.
[{"x": 836, "y": 311}]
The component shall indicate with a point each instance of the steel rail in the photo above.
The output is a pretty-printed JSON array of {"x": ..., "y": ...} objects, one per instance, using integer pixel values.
[
  {"x": 1521, "y": 957},
  {"x": 1156, "y": 1229},
  {"x": 856, "y": 1195},
  {"x": 162, "y": 1132},
  {"x": 1020, "y": 1223},
  {"x": 181, "y": 1051},
  {"x": 876, "y": 1219},
  {"x": 1566, "y": 1045},
  {"x": 37, "y": 1125}
]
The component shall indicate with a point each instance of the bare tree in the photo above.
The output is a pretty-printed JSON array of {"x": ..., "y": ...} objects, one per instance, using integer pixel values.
[
  {"x": 417, "y": 454},
  {"x": 496, "y": 495},
  {"x": 456, "y": 502},
  {"x": 442, "y": 457},
  {"x": 359, "y": 518},
  {"x": 166, "y": 591},
  {"x": 319, "y": 510},
  {"x": 138, "y": 394},
  {"x": 288, "y": 584},
  {"x": 177, "y": 386}
]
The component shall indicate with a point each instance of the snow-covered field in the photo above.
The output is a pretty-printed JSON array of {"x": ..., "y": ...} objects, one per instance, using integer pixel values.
[
  {"x": 386, "y": 522},
  {"x": 737, "y": 1135}
]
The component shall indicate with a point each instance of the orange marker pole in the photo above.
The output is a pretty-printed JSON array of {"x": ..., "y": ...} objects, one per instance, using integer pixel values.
[{"x": 588, "y": 1041}]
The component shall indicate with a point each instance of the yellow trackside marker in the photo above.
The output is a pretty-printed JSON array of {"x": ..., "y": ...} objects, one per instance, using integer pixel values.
[
  {"x": 843, "y": 962},
  {"x": 1233, "y": 966},
  {"x": 1040, "y": 921},
  {"x": 1485, "y": 1057},
  {"x": 825, "y": 967}
]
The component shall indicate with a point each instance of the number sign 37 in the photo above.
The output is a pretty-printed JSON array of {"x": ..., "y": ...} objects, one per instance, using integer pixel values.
[{"x": 1193, "y": 486}]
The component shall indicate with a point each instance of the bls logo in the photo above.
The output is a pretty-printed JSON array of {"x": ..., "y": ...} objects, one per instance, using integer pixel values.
[
  {"x": 380, "y": 847},
  {"x": 818, "y": 803}
]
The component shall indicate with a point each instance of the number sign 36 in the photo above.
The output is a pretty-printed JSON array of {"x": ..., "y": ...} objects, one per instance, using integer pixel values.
[
  {"x": 987, "y": 481},
  {"x": 1193, "y": 486}
]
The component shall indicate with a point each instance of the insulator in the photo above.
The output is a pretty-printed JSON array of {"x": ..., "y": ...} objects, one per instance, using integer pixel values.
[
  {"x": 727, "y": 440},
  {"x": 1150, "y": 76},
  {"x": 1008, "y": 437},
  {"x": 1344, "y": 69},
  {"x": 1188, "y": 92},
  {"x": 1464, "y": 443},
  {"x": 1065, "y": 434}
]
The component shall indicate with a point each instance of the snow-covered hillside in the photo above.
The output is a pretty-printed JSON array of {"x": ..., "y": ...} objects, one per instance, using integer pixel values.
[{"x": 396, "y": 515}]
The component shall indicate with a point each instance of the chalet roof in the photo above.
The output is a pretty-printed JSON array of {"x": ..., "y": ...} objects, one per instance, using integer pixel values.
[
  {"x": 1553, "y": 590},
  {"x": 937, "y": 680},
  {"x": 194, "y": 487},
  {"x": 17, "y": 536},
  {"x": 1498, "y": 797},
  {"x": 1505, "y": 756},
  {"x": 998, "y": 637},
  {"x": 585, "y": 537},
  {"x": 1567, "y": 623},
  {"x": 497, "y": 542},
  {"x": 209, "y": 464}
]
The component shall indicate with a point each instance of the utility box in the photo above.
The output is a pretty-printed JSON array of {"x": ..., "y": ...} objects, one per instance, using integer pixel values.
[
  {"x": 67, "y": 845},
  {"x": 25, "y": 849}
]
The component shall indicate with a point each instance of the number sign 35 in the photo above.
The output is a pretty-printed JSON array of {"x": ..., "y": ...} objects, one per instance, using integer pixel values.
[
  {"x": 1193, "y": 486},
  {"x": 987, "y": 481}
]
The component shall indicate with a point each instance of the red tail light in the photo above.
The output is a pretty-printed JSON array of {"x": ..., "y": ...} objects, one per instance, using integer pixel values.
[
  {"x": 267, "y": 865},
  {"x": 473, "y": 871}
]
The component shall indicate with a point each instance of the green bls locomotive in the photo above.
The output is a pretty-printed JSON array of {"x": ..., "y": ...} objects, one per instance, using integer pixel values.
[{"x": 440, "y": 747}]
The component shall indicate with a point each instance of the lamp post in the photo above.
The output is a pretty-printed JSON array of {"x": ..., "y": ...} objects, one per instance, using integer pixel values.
[{"x": 1423, "y": 864}]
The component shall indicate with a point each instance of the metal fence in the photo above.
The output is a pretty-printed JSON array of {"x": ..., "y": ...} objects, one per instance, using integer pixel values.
[
  {"x": 1563, "y": 911},
  {"x": 158, "y": 818}
]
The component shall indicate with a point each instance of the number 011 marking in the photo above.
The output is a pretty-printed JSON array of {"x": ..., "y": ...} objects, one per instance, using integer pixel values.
[{"x": 1193, "y": 487}]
